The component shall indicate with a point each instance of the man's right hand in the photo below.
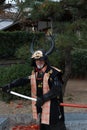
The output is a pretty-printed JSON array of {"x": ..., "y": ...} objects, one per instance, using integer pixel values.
[{"x": 6, "y": 88}]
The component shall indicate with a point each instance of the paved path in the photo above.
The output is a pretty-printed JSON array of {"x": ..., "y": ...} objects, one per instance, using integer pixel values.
[
  {"x": 76, "y": 121},
  {"x": 73, "y": 121}
]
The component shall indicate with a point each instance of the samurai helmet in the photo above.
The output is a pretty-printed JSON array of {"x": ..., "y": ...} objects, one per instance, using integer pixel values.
[{"x": 41, "y": 54}]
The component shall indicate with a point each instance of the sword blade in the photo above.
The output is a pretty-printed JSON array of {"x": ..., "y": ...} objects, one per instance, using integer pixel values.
[{"x": 23, "y": 96}]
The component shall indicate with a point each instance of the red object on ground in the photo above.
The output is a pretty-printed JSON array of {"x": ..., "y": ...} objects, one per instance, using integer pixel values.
[
  {"x": 19, "y": 106},
  {"x": 73, "y": 105},
  {"x": 28, "y": 127}
]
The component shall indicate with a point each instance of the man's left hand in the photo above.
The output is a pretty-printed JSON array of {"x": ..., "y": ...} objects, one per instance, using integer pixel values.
[{"x": 39, "y": 102}]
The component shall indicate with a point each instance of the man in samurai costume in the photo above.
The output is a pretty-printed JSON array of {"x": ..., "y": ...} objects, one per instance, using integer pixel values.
[{"x": 46, "y": 86}]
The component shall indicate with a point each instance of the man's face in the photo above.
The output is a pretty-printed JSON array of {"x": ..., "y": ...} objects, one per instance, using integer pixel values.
[{"x": 40, "y": 64}]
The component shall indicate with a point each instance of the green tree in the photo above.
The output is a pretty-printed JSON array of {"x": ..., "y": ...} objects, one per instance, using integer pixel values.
[{"x": 68, "y": 18}]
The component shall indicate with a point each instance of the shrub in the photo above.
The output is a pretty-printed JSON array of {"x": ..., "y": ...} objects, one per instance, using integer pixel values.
[
  {"x": 79, "y": 63},
  {"x": 10, "y": 42},
  {"x": 10, "y": 73}
]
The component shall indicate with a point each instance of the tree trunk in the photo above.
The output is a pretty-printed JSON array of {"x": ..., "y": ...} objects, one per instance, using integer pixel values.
[{"x": 67, "y": 72}]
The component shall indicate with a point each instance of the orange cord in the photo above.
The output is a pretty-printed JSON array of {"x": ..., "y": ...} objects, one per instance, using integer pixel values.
[{"x": 73, "y": 105}]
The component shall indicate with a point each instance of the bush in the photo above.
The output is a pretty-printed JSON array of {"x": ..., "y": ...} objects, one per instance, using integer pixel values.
[
  {"x": 79, "y": 63},
  {"x": 10, "y": 42},
  {"x": 10, "y": 73},
  {"x": 23, "y": 52}
]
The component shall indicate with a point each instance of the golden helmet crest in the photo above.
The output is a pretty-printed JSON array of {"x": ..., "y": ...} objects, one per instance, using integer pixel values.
[{"x": 37, "y": 55}]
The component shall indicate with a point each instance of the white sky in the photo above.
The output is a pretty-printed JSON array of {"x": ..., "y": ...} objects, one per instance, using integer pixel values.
[
  {"x": 12, "y": 1},
  {"x": 9, "y": 1}
]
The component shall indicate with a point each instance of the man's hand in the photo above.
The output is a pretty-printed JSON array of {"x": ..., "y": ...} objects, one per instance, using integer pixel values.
[
  {"x": 39, "y": 102},
  {"x": 6, "y": 89}
]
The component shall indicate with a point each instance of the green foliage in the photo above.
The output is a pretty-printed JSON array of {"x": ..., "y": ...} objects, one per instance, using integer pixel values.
[
  {"x": 66, "y": 40},
  {"x": 46, "y": 9},
  {"x": 13, "y": 42},
  {"x": 23, "y": 52},
  {"x": 79, "y": 63},
  {"x": 10, "y": 73},
  {"x": 9, "y": 41},
  {"x": 57, "y": 59},
  {"x": 78, "y": 60},
  {"x": 71, "y": 34},
  {"x": 62, "y": 10}
]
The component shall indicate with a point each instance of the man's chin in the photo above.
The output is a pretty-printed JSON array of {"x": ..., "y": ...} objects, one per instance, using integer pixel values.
[{"x": 39, "y": 66}]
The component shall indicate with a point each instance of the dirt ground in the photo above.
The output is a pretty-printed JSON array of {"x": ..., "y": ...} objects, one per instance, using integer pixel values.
[{"x": 76, "y": 92}]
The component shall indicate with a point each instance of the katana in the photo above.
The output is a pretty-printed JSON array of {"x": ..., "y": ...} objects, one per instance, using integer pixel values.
[
  {"x": 61, "y": 104},
  {"x": 22, "y": 96}
]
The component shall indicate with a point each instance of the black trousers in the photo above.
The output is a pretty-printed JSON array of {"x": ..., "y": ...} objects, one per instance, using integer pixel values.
[{"x": 58, "y": 126}]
